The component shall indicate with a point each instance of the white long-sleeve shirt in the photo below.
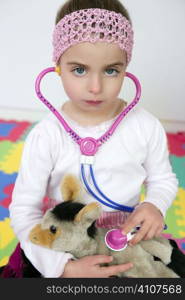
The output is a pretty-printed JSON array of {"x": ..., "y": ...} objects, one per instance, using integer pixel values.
[{"x": 136, "y": 153}]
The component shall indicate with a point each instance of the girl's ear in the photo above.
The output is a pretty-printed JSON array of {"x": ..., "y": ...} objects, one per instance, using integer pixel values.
[
  {"x": 71, "y": 188},
  {"x": 89, "y": 213}
]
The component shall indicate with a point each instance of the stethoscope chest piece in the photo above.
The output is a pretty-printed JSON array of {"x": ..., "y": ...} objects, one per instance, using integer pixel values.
[{"x": 116, "y": 241}]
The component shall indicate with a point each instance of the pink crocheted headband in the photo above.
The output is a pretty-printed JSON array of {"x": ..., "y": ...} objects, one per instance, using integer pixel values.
[{"x": 92, "y": 25}]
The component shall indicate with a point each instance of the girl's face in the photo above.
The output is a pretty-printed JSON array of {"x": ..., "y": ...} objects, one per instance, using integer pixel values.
[{"x": 92, "y": 75}]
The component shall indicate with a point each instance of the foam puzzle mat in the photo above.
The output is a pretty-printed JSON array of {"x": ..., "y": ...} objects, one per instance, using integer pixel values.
[{"x": 12, "y": 137}]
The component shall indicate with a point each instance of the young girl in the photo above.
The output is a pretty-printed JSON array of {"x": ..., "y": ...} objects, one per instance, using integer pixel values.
[{"x": 92, "y": 65}]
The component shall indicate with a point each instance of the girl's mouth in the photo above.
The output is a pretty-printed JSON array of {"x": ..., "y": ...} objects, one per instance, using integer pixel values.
[{"x": 93, "y": 103}]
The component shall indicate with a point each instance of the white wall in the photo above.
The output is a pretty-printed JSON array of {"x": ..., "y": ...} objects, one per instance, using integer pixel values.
[{"x": 158, "y": 57}]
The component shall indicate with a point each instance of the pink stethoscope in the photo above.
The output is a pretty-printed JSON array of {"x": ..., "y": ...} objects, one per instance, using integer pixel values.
[{"x": 114, "y": 239}]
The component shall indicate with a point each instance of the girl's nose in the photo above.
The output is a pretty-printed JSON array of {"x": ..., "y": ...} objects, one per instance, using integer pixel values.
[{"x": 95, "y": 85}]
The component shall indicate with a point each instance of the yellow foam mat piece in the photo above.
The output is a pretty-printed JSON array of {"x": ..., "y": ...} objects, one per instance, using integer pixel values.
[
  {"x": 6, "y": 233},
  {"x": 4, "y": 261},
  {"x": 11, "y": 162}
]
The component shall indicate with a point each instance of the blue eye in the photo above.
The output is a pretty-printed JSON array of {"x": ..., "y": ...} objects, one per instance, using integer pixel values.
[
  {"x": 111, "y": 71},
  {"x": 79, "y": 71}
]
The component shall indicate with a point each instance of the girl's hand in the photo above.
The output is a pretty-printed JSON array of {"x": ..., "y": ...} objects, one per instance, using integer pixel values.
[
  {"x": 150, "y": 220},
  {"x": 89, "y": 267}
]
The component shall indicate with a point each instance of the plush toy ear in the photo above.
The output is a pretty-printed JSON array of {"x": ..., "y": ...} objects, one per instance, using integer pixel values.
[
  {"x": 89, "y": 213},
  {"x": 71, "y": 188}
]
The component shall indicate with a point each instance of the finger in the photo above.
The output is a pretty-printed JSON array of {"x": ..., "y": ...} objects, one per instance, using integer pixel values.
[
  {"x": 130, "y": 224},
  {"x": 115, "y": 269},
  {"x": 140, "y": 234},
  {"x": 101, "y": 259},
  {"x": 150, "y": 234}
]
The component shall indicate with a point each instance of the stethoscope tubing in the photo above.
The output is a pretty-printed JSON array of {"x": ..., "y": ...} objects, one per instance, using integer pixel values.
[
  {"x": 119, "y": 206},
  {"x": 98, "y": 142},
  {"x": 115, "y": 205}
]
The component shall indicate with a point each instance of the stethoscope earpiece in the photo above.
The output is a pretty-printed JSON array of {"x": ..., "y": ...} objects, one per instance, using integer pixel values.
[{"x": 58, "y": 70}]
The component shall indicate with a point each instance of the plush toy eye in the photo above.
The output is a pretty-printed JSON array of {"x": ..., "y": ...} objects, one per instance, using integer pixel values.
[{"x": 53, "y": 229}]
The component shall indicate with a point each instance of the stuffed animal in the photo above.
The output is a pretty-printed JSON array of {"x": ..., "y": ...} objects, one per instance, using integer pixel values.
[{"x": 71, "y": 227}]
